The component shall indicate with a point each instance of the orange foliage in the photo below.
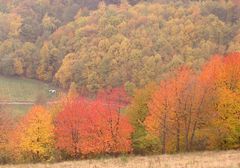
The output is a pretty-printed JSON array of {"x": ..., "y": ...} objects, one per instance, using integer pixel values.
[
  {"x": 92, "y": 127},
  {"x": 33, "y": 138}
]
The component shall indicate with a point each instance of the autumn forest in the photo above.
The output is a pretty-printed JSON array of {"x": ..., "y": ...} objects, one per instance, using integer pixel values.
[{"x": 137, "y": 77}]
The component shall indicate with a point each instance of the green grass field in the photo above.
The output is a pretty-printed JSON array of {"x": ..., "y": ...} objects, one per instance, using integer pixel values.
[{"x": 21, "y": 89}]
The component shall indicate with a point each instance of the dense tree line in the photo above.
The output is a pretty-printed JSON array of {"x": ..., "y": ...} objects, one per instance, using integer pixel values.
[
  {"x": 188, "y": 111},
  {"x": 97, "y": 45},
  {"x": 175, "y": 89}
]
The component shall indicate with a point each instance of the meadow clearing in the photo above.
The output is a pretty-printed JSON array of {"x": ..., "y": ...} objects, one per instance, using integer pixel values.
[
  {"x": 15, "y": 89},
  {"x": 222, "y": 159}
]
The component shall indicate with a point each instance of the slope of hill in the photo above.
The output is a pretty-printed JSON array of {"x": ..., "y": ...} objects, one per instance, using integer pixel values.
[
  {"x": 64, "y": 42},
  {"x": 224, "y": 159}
]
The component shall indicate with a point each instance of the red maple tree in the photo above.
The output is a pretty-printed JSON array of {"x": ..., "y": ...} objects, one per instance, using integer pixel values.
[{"x": 92, "y": 127}]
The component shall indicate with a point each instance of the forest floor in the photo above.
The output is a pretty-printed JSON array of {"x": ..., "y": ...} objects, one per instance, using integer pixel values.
[{"x": 222, "y": 159}]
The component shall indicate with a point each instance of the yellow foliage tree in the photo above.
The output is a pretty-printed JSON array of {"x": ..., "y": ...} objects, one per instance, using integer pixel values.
[
  {"x": 72, "y": 92},
  {"x": 228, "y": 105},
  {"x": 34, "y": 135},
  {"x": 15, "y": 25},
  {"x": 18, "y": 66}
]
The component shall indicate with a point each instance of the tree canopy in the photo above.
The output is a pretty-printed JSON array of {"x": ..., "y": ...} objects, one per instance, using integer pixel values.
[{"x": 99, "y": 45}]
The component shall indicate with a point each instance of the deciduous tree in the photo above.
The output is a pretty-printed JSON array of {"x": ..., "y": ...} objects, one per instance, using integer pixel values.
[
  {"x": 92, "y": 127},
  {"x": 33, "y": 138}
]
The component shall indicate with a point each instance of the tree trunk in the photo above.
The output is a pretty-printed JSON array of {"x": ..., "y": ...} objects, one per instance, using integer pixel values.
[
  {"x": 178, "y": 138},
  {"x": 164, "y": 134},
  {"x": 193, "y": 134}
]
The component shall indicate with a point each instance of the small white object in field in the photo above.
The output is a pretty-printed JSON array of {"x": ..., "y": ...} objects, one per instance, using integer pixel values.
[{"x": 52, "y": 91}]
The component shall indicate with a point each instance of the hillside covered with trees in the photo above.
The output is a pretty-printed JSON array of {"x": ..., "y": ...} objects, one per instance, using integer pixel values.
[
  {"x": 188, "y": 111},
  {"x": 138, "y": 77},
  {"x": 100, "y": 45}
]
